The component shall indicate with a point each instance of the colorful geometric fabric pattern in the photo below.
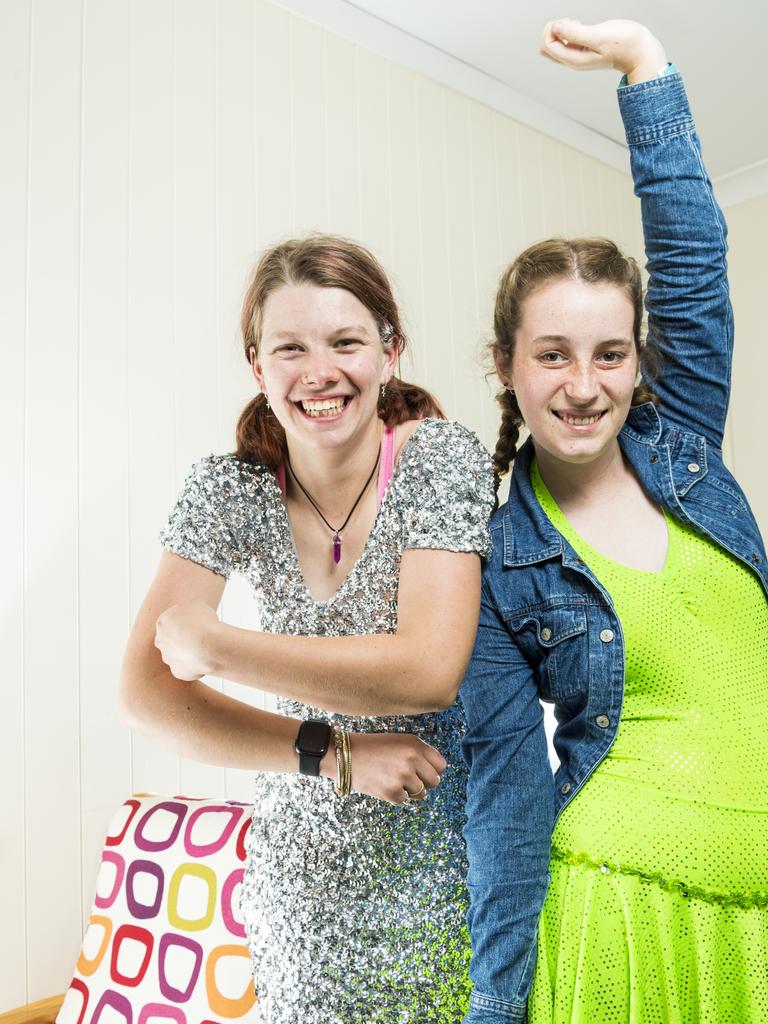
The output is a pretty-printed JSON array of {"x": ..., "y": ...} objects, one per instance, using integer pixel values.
[{"x": 165, "y": 943}]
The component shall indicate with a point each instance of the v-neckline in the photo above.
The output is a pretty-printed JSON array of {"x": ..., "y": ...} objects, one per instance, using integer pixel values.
[
  {"x": 318, "y": 602},
  {"x": 565, "y": 527}
]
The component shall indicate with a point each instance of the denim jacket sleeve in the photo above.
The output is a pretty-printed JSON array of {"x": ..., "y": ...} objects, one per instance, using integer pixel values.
[
  {"x": 689, "y": 312},
  {"x": 510, "y": 813}
]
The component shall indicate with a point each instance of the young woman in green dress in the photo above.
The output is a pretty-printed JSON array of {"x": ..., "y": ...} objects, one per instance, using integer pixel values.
[{"x": 627, "y": 585}]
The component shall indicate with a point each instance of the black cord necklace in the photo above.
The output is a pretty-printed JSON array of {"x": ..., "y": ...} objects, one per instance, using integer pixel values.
[{"x": 336, "y": 532}]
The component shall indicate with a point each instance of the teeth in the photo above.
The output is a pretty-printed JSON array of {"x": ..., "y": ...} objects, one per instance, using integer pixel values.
[
  {"x": 325, "y": 407},
  {"x": 580, "y": 421}
]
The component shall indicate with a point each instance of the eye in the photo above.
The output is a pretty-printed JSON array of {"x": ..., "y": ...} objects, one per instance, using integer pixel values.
[
  {"x": 551, "y": 358},
  {"x": 613, "y": 358},
  {"x": 348, "y": 342},
  {"x": 288, "y": 348}
]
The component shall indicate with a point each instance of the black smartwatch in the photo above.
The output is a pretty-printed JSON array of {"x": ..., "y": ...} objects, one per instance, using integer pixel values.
[{"x": 312, "y": 742}]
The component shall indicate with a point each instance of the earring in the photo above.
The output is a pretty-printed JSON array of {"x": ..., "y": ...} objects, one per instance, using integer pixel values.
[
  {"x": 384, "y": 389},
  {"x": 266, "y": 399}
]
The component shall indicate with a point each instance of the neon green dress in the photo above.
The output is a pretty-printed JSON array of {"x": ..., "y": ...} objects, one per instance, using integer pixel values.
[{"x": 657, "y": 912}]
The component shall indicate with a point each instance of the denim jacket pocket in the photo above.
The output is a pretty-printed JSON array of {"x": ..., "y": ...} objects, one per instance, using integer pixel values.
[
  {"x": 554, "y": 639},
  {"x": 716, "y": 496}
]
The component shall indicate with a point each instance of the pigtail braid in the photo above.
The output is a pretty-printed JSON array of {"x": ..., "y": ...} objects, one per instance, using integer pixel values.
[
  {"x": 260, "y": 438},
  {"x": 509, "y": 432}
]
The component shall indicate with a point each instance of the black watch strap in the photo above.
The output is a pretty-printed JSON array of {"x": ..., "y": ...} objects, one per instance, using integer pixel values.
[{"x": 312, "y": 743}]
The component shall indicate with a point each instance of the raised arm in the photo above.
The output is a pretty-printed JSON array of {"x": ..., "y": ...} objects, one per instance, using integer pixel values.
[
  {"x": 510, "y": 812},
  {"x": 689, "y": 313}
]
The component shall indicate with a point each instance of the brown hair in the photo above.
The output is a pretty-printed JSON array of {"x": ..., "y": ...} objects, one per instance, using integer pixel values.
[
  {"x": 327, "y": 261},
  {"x": 594, "y": 260}
]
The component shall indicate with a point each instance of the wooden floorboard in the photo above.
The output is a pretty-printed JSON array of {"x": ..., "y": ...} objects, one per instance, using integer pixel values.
[{"x": 42, "y": 1012}]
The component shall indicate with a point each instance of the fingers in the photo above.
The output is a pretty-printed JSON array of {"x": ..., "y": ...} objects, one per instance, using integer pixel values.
[
  {"x": 398, "y": 768},
  {"x": 418, "y": 777},
  {"x": 434, "y": 758},
  {"x": 618, "y": 43},
  {"x": 415, "y": 796}
]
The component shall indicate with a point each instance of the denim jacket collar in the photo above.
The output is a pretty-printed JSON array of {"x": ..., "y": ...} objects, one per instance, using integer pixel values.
[{"x": 532, "y": 537}]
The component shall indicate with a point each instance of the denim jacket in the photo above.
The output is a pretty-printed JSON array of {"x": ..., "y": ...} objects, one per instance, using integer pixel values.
[{"x": 548, "y": 630}]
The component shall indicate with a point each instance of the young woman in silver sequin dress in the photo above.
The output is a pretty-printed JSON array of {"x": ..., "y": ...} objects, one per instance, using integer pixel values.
[{"x": 353, "y": 907}]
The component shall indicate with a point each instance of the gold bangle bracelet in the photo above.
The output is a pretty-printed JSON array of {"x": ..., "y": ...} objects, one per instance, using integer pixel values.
[
  {"x": 343, "y": 784},
  {"x": 347, "y": 746}
]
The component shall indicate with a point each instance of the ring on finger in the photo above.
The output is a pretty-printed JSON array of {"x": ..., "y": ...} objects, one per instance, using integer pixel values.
[{"x": 419, "y": 795}]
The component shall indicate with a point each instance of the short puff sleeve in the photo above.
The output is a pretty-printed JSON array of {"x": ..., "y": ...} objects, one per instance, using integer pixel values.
[
  {"x": 451, "y": 489},
  {"x": 200, "y": 526}
]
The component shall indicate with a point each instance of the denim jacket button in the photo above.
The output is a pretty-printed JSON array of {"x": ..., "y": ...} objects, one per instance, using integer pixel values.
[
  {"x": 603, "y": 721},
  {"x": 546, "y": 633},
  {"x": 606, "y": 635},
  {"x": 693, "y": 467},
  {"x": 566, "y": 788}
]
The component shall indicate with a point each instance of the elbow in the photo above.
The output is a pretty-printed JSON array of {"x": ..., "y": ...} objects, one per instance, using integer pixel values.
[
  {"x": 129, "y": 706},
  {"x": 438, "y": 691},
  {"x": 134, "y": 705}
]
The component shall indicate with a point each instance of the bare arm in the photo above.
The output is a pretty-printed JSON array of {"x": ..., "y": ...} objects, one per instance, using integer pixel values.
[
  {"x": 191, "y": 718},
  {"x": 202, "y": 724},
  {"x": 417, "y": 669}
]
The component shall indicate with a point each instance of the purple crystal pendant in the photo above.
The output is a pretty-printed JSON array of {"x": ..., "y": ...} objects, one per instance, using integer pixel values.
[{"x": 336, "y": 548}]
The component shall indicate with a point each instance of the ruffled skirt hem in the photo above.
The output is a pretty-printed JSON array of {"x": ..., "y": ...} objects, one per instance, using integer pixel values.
[{"x": 620, "y": 948}]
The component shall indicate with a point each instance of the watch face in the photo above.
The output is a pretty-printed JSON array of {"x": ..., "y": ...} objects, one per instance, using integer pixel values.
[{"x": 313, "y": 738}]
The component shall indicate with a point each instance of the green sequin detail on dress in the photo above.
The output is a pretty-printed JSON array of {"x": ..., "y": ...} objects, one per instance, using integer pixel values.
[{"x": 656, "y": 913}]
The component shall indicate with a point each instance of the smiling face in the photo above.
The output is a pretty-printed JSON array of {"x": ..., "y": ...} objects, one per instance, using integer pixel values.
[
  {"x": 321, "y": 364},
  {"x": 574, "y": 368}
]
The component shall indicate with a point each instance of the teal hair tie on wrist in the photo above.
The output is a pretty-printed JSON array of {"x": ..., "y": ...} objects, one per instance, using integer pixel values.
[{"x": 669, "y": 69}]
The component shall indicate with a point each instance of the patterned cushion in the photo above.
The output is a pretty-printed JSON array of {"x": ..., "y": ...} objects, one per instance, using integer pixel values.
[{"x": 165, "y": 943}]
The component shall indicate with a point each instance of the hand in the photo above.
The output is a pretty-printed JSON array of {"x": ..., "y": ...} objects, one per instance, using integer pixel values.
[
  {"x": 391, "y": 766},
  {"x": 182, "y": 635},
  {"x": 626, "y": 46}
]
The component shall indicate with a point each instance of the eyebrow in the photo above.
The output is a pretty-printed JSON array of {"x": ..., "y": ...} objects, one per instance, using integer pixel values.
[
  {"x": 293, "y": 336},
  {"x": 548, "y": 339},
  {"x": 351, "y": 329}
]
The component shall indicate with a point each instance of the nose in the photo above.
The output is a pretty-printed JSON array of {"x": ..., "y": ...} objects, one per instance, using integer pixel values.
[
  {"x": 319, "y": 369},
  {"x": 582, "y": 385}
]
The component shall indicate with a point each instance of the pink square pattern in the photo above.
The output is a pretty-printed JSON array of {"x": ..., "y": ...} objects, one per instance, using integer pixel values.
[{"x": 165, "y": 943}]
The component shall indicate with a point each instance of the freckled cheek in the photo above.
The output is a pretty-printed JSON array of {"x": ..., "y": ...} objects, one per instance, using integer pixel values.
[
  {"x": 534, "y": 399},
  {"x": 280, "y": 384},
  {"x": 364, "y": 375}
]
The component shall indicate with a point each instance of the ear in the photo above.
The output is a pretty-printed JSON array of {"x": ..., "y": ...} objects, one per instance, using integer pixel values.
[
  {"x": 502, "y": 369},
  {"x": 391, "y": 354},
  {"x": 256, "y": 367}
]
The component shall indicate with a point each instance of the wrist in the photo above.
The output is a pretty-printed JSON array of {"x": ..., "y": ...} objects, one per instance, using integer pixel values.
[
  {"x": 215, "y": 648},
  {"x": 328, "y": 764},
  {"x": 650, "y": 62}
]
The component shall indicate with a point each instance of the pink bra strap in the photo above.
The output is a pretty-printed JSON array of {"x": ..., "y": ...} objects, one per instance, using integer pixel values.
[
  {"x": 280, "y": 474},
  {"x": 387, "y": 462},
  {"x": 386, "y": 466}
]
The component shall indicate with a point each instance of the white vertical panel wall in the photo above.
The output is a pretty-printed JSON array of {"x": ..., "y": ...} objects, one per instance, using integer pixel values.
[{"x": 151, "y": 148}]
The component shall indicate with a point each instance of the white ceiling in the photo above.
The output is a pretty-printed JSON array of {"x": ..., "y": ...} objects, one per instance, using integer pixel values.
[{"x": 720, "y": 48}]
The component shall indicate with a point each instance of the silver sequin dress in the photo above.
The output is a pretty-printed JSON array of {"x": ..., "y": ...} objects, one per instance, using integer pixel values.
[{"x": 354, "y": 908}]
